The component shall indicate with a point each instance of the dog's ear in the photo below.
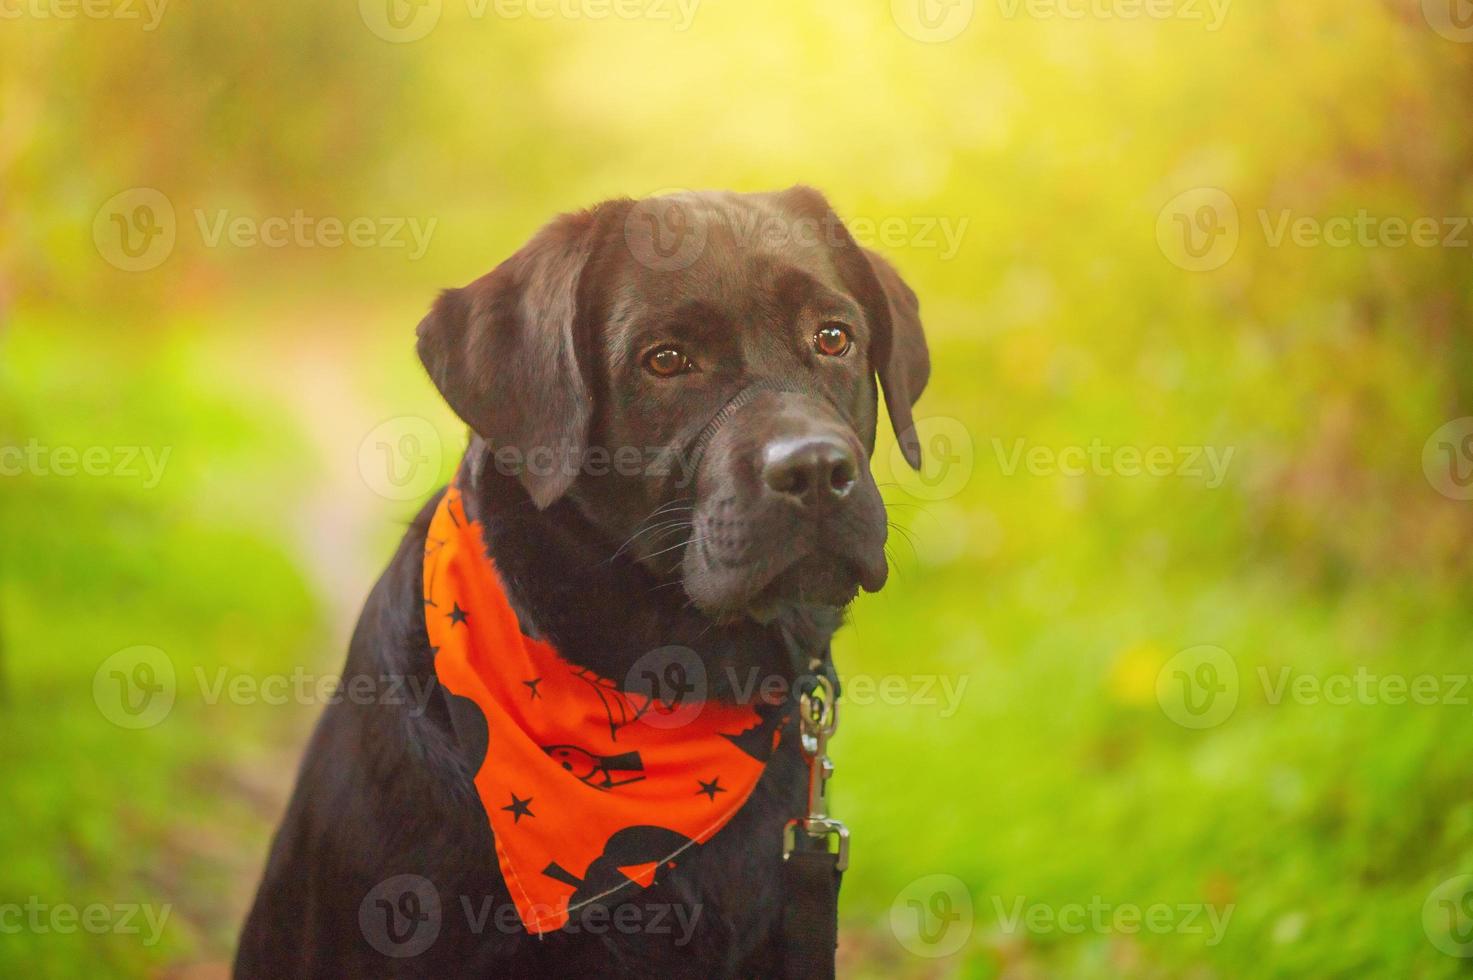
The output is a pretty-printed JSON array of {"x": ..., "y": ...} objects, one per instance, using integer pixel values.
[
  {"x": 898, "y": 352},
  {"x": 900, "y": 355},
  {"x": 503, "y": 354}
]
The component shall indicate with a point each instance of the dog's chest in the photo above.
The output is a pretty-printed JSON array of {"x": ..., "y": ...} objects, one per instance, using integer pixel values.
[{"x": 715, "y": 913}]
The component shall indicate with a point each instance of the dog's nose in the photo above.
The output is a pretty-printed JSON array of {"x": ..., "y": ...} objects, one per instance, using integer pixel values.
[{"x": 809, "y": 469}]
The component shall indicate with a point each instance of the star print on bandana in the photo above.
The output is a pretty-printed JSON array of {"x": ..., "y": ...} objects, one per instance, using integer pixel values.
[
  {"x": 519, "y": 808},
  {"x": 614, "y": 805}
]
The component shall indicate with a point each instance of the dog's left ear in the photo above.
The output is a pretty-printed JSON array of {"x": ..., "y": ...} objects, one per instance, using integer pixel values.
[
  {"x": 900, "y": 355},
  {"x": 503, "y": 353},
  {"x": 898, "y": 351}
]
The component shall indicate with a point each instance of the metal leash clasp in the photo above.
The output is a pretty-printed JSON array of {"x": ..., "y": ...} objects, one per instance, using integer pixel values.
[{"x": 818, "y": 716}]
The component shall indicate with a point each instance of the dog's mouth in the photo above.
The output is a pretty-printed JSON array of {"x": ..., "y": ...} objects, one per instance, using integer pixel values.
[
  {"x": 809, "y": 581},
  {"x": 728, "y": 583}
]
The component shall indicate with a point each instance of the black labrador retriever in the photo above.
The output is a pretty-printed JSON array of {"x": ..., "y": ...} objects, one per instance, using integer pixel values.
[{"x": 736, "y": 346}]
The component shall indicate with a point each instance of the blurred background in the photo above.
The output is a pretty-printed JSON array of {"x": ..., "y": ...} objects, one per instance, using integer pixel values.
[{"x": 1171, "y": 678}]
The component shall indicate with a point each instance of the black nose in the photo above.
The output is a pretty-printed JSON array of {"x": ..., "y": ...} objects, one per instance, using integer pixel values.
[{"x": 809, "y": 469}]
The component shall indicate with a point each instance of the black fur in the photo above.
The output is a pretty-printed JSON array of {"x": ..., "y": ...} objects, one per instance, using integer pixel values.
[
  {"x": 549, "y": 353},
  {"x": 383, "y": 792}
]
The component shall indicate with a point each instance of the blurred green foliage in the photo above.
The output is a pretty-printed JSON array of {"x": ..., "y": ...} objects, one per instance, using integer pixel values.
[{"x": 1060, "y": 319}]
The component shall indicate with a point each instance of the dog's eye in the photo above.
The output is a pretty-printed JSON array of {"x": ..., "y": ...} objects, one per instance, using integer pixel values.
[
  {"x": 667, "y": 362},
  {"x": 833, "y": 340}
]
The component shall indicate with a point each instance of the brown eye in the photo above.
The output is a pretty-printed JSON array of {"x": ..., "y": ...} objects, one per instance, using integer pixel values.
[
  {"x": 667, "y": 362},
  {"x": 832, "y": 340}
]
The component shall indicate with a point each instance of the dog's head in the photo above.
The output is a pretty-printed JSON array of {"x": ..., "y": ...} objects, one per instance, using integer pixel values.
[{"x": 697, "y": 374}]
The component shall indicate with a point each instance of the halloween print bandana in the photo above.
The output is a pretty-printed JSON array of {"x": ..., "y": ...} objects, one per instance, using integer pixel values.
[{"x": 589, "y": 789}]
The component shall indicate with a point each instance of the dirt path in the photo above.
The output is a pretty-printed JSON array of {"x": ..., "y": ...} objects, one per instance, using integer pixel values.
[{"x": 332, "y": 530}]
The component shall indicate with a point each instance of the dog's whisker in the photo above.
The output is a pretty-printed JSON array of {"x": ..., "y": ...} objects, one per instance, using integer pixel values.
[
  {"x": 665, "y": 525},
  {"x": 895, "y": 566},
  {"x": 671, "y": 507},
  {"x": 661, "y": 535},
  {"x": 909, "y": 537},
  {"x": 906, "y": 532},
  {"x": 673, "y": 547}
]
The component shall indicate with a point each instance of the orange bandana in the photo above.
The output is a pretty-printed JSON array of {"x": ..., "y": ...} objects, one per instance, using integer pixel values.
[{"x": 589, "y": 788}]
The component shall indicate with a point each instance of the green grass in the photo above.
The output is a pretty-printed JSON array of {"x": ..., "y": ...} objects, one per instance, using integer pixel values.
[
  {"x": 92, "y": 565},
  {"x": 1060, "y": 779}
]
